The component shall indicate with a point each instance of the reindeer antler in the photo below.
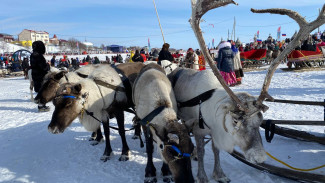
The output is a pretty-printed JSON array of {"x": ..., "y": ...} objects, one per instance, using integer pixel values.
[
  {"x": 199, "y": 8},
  {"x": 305, "y": 29}
]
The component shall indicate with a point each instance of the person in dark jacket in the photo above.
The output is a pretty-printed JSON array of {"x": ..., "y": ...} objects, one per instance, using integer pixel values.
[
  {"x": 137, "y": 57},
  {"x": 39, "y": 68},
  {"x": 225, "y": 63},
  {"x": 25, "y": 67},
  {"x": 164, "y": 54}
]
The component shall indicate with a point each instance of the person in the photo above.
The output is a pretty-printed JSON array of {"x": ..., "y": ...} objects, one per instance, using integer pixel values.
[
  {"x": 191, "y": 59},
  {"x": 25, "y": 67},
  {"x": 137, "y": 57},
  {"x": 39, "y": 68},
  {"x": 119, "y": 58},
  {"x": 53, "y": 61},
  {"x": 164, "y": 54},
  {"x": 143, "y": 54},
  {"x": 96, "y": 61},
  {"x": 237, "y": 64},
  {"x": 225, "y": 63}
]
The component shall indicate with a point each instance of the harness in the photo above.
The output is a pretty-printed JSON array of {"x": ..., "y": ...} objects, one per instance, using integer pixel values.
[
  {"x": 126, "y": 84},
  {"x": 198, "y": 100}
]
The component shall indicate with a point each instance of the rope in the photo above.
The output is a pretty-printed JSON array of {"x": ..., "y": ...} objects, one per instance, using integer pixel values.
[{"x": 298, "y": 169}]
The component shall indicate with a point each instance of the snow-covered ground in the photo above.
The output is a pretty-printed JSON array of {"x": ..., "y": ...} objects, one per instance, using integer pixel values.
[{"x": 29, "y": 153}]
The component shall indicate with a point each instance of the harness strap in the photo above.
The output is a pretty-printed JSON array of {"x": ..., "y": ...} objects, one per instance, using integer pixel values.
[
  {"x": 107, "y": 85},
  {"x": 82, "y": 75},
  {"x": 180, "y": 154},
  {"x": 146, "y": 120},
  {"x": 115, "y": 128},
  {"x": 126, "y": 83},
  {"x": 177, "y": 75},
  {"x": 66, "y": 78},
  {"x": 196, "y": 100}
]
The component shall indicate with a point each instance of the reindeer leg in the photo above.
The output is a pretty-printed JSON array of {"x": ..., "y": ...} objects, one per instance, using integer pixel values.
[
  {"x": 96, "y": 137},
  {"x": 167, "y": 175},
  {"x": 218, "y": 174},
  {"x": 119, "y": 114},
  {"x": 108, "y": 149},
  {"x": 150, "y": 175},
  {"x": 201, "y": 175}
]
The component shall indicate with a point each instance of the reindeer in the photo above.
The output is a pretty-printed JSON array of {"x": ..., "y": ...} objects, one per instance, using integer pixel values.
[
  {"x": 167, "y": 65},
  {"x": 156, "y": 106},
  {"x": 52, "y": 82},
  {"x": 236, "y": 117},
  {"x": 102, "y": 94}
]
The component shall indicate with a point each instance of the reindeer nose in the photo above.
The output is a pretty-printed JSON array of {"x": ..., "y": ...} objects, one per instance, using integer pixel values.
[{"x": 54, "y": 130}]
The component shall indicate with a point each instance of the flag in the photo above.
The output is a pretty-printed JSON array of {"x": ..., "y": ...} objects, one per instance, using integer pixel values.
[
  {"x": 77, "y": 46},
  {"x": 279, "y": 33},
  {"x": 258, "y": 34},
  {"x": 212, "y": 43},
  {"x": 209, "y": 46},
  {"x": 149, "y": 49},
  {"x": 284, "y": 35},
  {"x": 259, "y": 40}
]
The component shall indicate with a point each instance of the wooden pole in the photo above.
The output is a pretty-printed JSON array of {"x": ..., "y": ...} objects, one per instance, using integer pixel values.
[{"x": 159, "y": 21}]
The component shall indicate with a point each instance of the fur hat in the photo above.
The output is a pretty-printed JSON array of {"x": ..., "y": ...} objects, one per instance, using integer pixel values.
[{"x": 39, "y": 47}]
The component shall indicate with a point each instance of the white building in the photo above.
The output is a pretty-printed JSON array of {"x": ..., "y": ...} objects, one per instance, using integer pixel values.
[{"x": 32, "y": 35}]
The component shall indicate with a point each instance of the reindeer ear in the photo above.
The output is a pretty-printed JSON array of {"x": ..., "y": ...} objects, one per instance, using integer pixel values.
[
  {"x": 263, "y": 107},
  {"x": 77, "y": 87},
  {"x": 59, "y": 75},
  {"x": 173, "y": 138}
]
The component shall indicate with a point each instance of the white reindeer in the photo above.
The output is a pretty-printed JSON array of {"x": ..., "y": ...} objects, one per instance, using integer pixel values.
[
  {"x": 153, "y": 94},
  {"x": 236, "y": 113},
  {"x": 167, "y": 65}
]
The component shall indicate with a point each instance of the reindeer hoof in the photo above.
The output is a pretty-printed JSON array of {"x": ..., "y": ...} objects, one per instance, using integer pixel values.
[
  {"x": 202, "y": 180},
  {"x": 95, "y": 142},
  {"x": 150, "y": 180},
  {"x": 223, "y": 180},
  {"x": 168, "y": 179},
  {"x": 124, "y": 158},
  {"x": 104, "y": 158},
  {"x": 135, "y": 137}
]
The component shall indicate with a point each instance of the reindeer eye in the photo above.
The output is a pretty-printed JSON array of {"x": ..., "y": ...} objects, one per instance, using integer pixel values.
[{"x": 161, "y": 146}]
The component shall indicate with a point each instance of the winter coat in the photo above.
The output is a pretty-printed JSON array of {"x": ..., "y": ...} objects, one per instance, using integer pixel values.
[
  {"x": 165, "y": 55},
  {"x": 137, "y": 58},
  {"x": 38, "y": 64},
  {"x": 226, "y": 60}
]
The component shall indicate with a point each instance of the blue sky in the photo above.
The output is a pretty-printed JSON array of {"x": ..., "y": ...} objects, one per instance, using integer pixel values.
[{"x": 132, "y": 22}]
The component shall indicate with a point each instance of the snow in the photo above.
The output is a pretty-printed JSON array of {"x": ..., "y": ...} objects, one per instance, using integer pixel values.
[{"x": 29, "y": 153}]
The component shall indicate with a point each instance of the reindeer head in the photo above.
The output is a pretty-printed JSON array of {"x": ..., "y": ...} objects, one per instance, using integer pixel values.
[
  {"x": 175, "y": 146},
  {"x": 50, "y": 85},
  {"x": 69, "y": 102}
]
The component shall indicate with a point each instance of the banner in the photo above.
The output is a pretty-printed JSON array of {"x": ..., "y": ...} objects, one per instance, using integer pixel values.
[
  {"x": 149, "y": 49},
  {"x": 258, "y": 34},
  {"x": 213, "y": 43},
  {"x": 279, "y": 34}
]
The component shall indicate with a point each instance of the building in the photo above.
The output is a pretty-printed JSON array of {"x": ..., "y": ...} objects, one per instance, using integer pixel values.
[
  {"x": 32, "y": 35},
  {"x": 6, "y": 38},
  {"x": 54, "y": 41},
  {"x": 115, "y": 48}
]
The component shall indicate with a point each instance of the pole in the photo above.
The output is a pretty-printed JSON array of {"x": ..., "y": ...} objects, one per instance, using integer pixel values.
[
  {"x": 228, "y": 35},
  {"x": 159, "y": 21},
  {"x": 234, "y": 29}
]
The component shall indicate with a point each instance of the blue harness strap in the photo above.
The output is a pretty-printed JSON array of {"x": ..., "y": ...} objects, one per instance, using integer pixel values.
[
  {"x": 68, "y": 96},
  {"x": 180, "y": 153}
]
